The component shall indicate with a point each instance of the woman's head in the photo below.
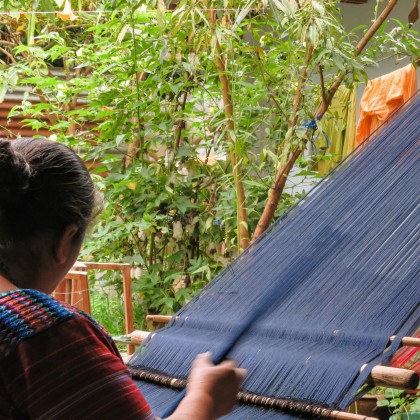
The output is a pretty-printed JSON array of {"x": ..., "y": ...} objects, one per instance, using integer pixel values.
[{"x": 44, "y": 189}]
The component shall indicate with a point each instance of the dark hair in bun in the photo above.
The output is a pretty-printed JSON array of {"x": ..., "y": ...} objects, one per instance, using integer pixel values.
[
  {"x": 43, "y": 185},
  {"x": 14, "y": 175}
]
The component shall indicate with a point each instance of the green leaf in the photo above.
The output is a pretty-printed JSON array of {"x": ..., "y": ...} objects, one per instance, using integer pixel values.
[{"x": 242, "y": 14}]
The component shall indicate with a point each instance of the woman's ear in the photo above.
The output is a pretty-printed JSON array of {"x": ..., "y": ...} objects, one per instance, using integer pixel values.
[{"x": 67, "y": 246}]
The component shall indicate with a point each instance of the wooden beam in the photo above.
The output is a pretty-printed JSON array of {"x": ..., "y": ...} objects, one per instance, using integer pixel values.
[
  {"x": 408, "y": 341},
  {"x": 391, "y": 377},
  {"x": 288, "y": 406},
  {"x": 380, "y": 376},
  {"x": 104, "y": 266},
  {"x": 163, "y": 319}
]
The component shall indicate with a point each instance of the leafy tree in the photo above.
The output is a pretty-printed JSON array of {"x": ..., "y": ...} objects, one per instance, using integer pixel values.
[{"x": 194, "y": 112}]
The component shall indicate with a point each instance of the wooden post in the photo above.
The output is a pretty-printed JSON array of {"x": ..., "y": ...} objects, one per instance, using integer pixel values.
[
  {"x": 127, "y": 291},
  {"x": 128, "y": 304}
]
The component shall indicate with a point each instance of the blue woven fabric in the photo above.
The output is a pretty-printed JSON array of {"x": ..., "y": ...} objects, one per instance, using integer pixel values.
[{"x": 321, "y": 293}]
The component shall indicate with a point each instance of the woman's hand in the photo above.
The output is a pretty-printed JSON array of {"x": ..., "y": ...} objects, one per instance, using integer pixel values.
[{"x": 211, "y": 390}]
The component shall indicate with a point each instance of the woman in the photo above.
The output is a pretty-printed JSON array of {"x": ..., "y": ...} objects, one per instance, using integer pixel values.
[{"x": 55, "y": 362}]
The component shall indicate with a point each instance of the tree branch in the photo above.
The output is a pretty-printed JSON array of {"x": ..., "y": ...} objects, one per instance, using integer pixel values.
[{"x": 283, "y": 172}]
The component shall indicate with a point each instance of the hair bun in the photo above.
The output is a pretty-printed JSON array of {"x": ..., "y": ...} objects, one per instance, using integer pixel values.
[{"x": 15, "y": 174}]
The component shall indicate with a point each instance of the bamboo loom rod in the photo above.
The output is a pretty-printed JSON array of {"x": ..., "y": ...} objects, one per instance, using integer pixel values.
[
  {"x": 254, "y": 399},
  {"x": 380, "y": 376},
  {"x": 392, "y": 377},
  {"x": 164, "y": 319},
  {"x": 406, "y": 341},
  {"x": 138, "y": 336}
]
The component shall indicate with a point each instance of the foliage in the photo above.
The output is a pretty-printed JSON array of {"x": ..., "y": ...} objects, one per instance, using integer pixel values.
[
  {"x": 108, "y": 310},
  {"x": 141, "y": 94},
  {"x": 400, "y": 402}
]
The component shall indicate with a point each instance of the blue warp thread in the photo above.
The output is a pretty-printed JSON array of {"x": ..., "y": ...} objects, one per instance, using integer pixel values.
[{"x": 318, "y": 295}]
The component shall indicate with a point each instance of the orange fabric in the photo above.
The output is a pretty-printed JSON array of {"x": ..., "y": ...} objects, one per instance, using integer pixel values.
[{"x": 382, "y": 96}]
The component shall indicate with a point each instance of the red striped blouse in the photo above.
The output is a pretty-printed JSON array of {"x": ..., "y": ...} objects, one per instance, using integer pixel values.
[{"x": 56, "y": 363}]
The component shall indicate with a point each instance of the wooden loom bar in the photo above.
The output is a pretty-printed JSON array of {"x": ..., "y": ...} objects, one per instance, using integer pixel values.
[
  {"x": 380, "y": 376},
  {"x": 105, "y": 266},
  {"x": 391, "y": 377},
  {"x": 254, "y": 399},
  {"x": 164, "y": 319},
  {"x": 408, "y": 341},
  {"x": 137, "y": 337},
  {"x": 76, "y": 275}
]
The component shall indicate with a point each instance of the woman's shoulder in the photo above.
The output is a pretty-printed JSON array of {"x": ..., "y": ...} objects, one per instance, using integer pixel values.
[{"x": 25, "y": 313}]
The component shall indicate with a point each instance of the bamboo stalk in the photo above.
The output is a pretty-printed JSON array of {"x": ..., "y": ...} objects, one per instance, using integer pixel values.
[{"x": 243, "y": 233}]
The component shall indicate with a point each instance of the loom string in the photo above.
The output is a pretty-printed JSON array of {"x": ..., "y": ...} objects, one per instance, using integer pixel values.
[
  {"x": 265, "y": 303},
  {"x": 390, "y": 175},
  {"x": 177, "y": 318},
  {"x": 260, "y": 240},
  {"x": 352, "y": 394}
]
